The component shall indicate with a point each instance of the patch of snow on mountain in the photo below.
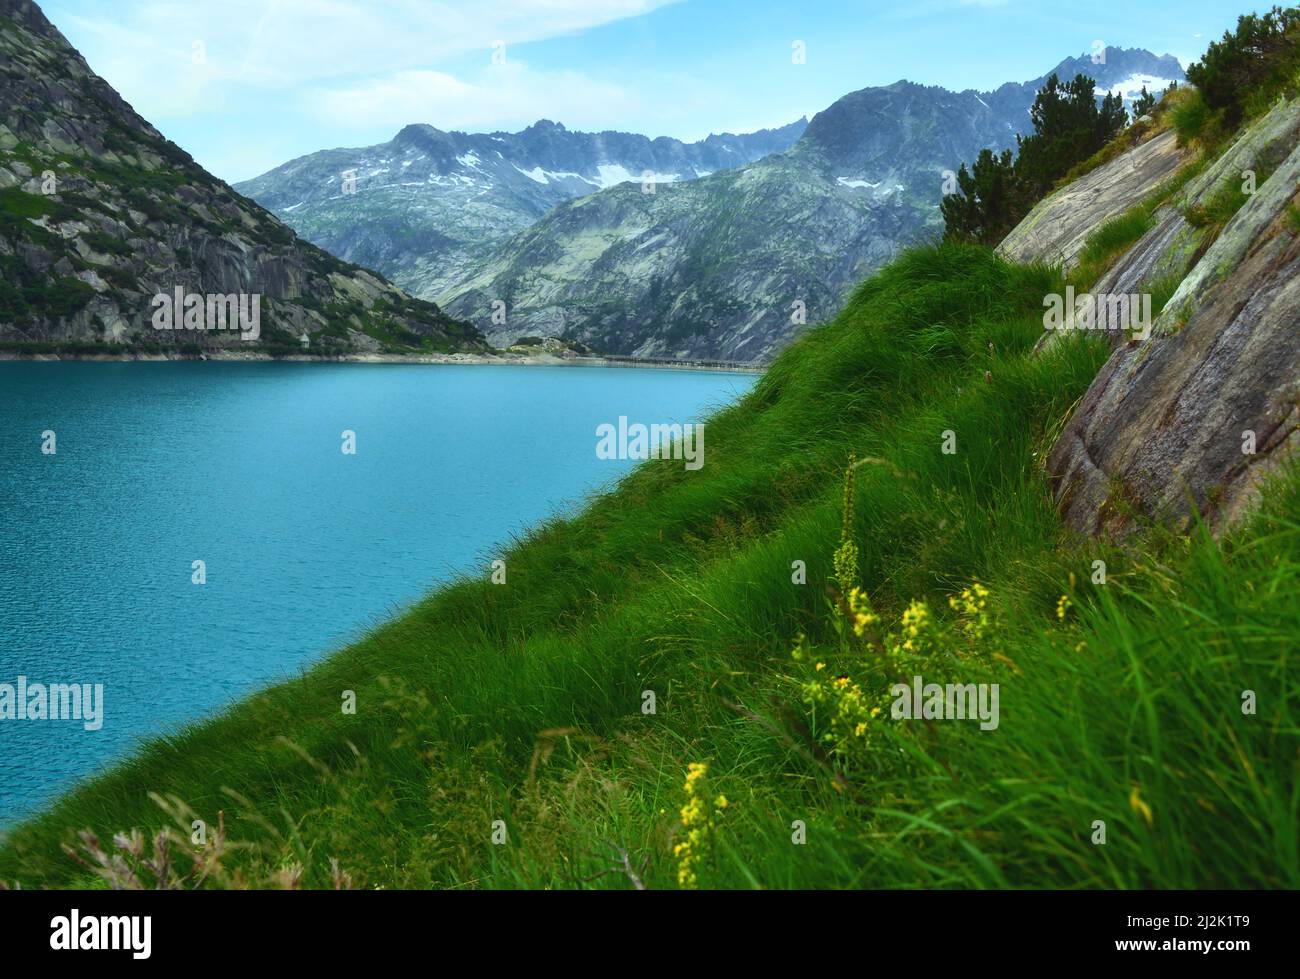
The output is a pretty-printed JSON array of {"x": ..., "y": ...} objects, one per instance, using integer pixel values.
[
  {"x": 612, "y": 174},
  {"x": 546, "y": 176},
  {"x": 451, "y": 180},
  {"x": 536, "y": 173}
]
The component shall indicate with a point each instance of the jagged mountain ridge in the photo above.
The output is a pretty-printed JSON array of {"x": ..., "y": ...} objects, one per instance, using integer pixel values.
[
  {"x": 845, "y": 129},
  {"x": 437, "y": 211},
  {"x": 425, "y": 206},
  {"x": 734, "y": 264},
  {"x": 99, "y": 213}
]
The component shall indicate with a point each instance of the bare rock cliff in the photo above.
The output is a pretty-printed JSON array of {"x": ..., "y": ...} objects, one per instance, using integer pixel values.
[{"x": 1192, "y": 417}]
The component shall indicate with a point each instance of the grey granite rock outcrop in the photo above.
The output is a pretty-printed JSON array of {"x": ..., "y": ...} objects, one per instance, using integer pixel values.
[
  {"x": 1059, "y": 225},
  {"x": 1191, "y": 418}
]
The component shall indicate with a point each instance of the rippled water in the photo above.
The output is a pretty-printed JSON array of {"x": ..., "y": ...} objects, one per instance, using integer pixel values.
[{"x": 240, "y": 466}]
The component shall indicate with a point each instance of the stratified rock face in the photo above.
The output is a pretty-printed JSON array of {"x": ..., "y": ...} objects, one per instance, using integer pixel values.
[
  {"x": 99, "y": 214},
  {"x": 1197, "y": 413},
  {"x": 1170, "y": 250},
  {"x": 1058, "y": 226}
]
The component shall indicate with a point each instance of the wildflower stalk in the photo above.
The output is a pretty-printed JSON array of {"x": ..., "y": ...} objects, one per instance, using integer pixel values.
[
  {"x": 846, "y": 555},
  {"x": 698, "y": 826}
]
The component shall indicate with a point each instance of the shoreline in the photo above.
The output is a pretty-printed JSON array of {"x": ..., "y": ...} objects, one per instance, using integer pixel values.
[{"x": 499, "y": 360}]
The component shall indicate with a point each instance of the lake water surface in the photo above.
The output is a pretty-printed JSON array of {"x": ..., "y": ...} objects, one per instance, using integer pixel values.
[{"x": 240, "y": 466}]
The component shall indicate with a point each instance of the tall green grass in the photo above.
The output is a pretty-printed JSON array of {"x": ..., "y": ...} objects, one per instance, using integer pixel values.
[
  {"x": 1191, "y": 118},
  {"x": 523, "y": 702},
  {"x": 1221, "y": 206},
  {"x": 1112, "y": 240}
]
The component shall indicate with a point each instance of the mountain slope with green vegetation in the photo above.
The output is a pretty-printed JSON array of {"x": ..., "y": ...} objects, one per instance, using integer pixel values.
[
  {"x": 692, "y": 682},
  {"x": 516, "y": 712}
]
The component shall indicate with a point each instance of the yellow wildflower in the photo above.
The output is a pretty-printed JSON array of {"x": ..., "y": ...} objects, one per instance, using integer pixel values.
[
  {"x": 862, "y": 615},
  {"x": 696, "y": 825},
  {"x": 916, "y": 622},
  {"x": 1140, "y": 807},
  {"x": 972, "y": 606}
]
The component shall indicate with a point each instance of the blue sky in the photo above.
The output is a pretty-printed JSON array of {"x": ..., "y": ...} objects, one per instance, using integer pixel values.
[{"x": 246, "y": 84}]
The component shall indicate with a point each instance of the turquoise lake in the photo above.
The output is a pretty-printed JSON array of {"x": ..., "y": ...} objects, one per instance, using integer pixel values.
[{"x": 305, "y": 548}]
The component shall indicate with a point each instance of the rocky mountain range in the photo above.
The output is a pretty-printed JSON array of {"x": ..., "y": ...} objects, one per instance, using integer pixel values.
[
  {"x": 705, "y": 260},
  {"x": 105, "y": 225},
  {"x": 724, "y": 248},
  {"x": 427, "y": 206},
  {"x": 733, "y": 265}
]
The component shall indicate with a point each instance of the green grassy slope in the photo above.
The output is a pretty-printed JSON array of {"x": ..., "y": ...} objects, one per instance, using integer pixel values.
[{"x": 522, "y": 702}]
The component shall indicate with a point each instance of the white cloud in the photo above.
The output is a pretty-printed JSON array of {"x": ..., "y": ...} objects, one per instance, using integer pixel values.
[
  {"x": 505, "y": 96},
  {"x": 145, "y": 49}
]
